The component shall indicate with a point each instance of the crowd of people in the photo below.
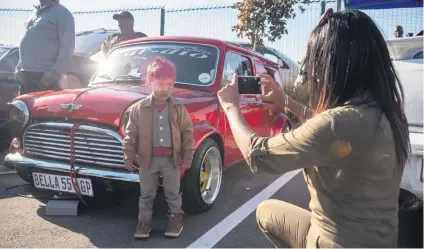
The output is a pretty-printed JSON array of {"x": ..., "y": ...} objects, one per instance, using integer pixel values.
[{"x": 352, "y": 145}]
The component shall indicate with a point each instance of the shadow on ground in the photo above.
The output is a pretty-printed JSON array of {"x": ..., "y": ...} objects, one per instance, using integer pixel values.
[{"x": 110, "y": 221}]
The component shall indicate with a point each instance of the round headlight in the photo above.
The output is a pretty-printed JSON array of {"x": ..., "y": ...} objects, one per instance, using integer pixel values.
[{"x": 18, "y": 114}]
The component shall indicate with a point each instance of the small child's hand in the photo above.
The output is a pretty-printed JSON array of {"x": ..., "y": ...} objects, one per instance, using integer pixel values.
[
  {"x": 129, "y": 165},
  {"x": 186, "y": 164}
]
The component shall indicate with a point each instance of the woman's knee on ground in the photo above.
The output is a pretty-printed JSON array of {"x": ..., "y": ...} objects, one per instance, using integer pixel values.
[{"x": 265, "y": 215}]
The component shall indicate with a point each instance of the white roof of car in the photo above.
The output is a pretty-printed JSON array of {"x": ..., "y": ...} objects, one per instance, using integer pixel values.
[
  {"x": 411, "y": 76},
  {"x": 405, "y": 48}
]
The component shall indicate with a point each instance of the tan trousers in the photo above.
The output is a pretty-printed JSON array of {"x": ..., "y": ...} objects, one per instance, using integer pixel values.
[
  {"x": 163, "y": 165},
  {"x": 287, "y": 225}
]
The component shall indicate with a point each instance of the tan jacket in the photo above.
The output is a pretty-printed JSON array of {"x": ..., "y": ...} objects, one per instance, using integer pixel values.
[
  {"x": 349, "y": 163},
  {"x": 137, "y": 144}
]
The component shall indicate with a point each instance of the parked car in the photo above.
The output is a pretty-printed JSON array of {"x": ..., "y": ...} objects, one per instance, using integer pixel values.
[
  {"x": 9, "y": 57},
  {"x": 407, "y": 56},
  {"x": 82, "y": 68},
  {"x": 408, "y": 48},
  {"x": 40, "y": 150},
  {"x": 289, "y": 69}
]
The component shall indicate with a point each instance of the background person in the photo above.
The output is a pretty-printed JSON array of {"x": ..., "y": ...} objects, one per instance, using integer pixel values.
[
  {"x": 399, "y": 31},
  {"x": 126, "y": 27},
  {"x": 46, "y": 48},
  {"x": 352, "y": 148}
]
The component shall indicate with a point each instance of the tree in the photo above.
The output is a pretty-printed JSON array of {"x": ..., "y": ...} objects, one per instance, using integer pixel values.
[{"x": 259, "y": 19}]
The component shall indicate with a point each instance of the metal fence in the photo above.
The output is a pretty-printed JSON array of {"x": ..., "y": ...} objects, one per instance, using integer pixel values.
[{"x": 212, "y": 21}]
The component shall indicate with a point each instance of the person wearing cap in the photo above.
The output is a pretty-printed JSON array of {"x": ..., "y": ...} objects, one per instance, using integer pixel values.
[{"x": 126, "y": 26}]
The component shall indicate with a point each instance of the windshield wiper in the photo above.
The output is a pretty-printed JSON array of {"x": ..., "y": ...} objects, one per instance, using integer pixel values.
[
  {"x": 127, "y": 77},
  {"x": 123, "y": 77},
  {"x": 105, "y": 76}
]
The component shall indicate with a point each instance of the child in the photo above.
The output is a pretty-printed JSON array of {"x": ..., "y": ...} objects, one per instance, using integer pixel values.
[{"x": 159, "y": 138}]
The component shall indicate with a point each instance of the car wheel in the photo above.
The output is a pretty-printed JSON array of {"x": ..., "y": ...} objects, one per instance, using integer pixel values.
[
  {"x": 202, "y": 182},
  {"x": 410, "y": 225}
]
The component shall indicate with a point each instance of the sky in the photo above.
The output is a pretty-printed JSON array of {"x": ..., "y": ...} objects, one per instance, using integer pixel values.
[{"x": 76, "y": 5}]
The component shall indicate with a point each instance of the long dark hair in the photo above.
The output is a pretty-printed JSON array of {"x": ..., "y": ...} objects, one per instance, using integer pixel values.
[{"x": 347, "y": 55}]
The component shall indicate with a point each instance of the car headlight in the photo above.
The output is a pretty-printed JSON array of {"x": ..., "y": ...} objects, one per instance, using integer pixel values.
[{"x": 18, "y": 114}]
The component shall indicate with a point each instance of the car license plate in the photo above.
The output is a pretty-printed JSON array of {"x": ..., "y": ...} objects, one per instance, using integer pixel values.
[{"x": 62, "y": 183}]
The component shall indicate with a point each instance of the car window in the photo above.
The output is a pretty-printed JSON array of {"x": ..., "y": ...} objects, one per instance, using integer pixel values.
[
  {"x": 8, "y": 63},
  {"x": 277, "y": 77},
  {"x": 89, "y": 43},
  {"x": 271, "y": 55},
  {"x": 3, "y": 51},
  {"x": 235, "y": 63},
  {"x": 196, "y": 64},
  {"x": 259, "y": 68},
  {"x": 418, "y": 55}
]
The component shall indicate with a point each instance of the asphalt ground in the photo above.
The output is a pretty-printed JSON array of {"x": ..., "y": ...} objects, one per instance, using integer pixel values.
[{"x": 110, "y": 222}]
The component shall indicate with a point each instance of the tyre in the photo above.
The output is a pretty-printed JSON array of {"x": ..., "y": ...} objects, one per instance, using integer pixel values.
[
  {"x": 202, "y": 182},
  {"x": 410, "y": 220}
]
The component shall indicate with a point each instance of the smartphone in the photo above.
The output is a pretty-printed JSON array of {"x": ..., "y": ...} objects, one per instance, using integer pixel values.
[{"x": 249, "y": 85}]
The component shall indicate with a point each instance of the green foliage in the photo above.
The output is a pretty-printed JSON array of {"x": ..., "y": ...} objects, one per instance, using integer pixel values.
[{"x": 259, "y": 19}]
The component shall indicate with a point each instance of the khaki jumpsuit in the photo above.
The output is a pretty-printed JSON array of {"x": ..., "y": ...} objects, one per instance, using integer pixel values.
[
  {"x": 349, "y": 164},
  {"x": 147, "y": 128}
]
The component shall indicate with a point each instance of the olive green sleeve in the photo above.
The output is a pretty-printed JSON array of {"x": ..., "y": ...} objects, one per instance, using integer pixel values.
[{"x": 319, "y": 141}]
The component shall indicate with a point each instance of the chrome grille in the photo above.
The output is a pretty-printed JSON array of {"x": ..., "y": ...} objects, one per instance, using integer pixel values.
[{"x": 93, "y": 146}]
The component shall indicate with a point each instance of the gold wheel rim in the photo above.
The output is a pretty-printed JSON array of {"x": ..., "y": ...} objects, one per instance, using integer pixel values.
[
  {"x": 204, "y": 177},
  {"x": 210, "y": 175}
]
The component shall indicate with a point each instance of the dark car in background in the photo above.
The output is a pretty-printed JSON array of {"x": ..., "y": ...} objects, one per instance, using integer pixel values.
[
  {"x": 9, "y": 57},
  {"x": 84, "y": 64}
]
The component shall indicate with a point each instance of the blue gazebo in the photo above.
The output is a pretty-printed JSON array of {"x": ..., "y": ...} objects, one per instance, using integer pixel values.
[{"x": 382, "y": 4}]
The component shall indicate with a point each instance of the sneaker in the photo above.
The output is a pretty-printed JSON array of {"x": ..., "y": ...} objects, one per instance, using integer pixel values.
[
  {"x": 175, "y": 225},
  {"x": 143, "y": 230}
]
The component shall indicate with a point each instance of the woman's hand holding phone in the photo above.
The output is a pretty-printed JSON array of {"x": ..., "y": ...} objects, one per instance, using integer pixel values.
[{"x": 277, "y": 95}]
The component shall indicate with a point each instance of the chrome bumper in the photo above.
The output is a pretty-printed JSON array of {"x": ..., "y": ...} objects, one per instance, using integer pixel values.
[{"x": 17, "y": 160}]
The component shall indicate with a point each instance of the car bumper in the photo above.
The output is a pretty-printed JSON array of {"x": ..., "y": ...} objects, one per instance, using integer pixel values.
[
  {"x": 14, "y": 161},
  {"x": 413, "y": 174}
]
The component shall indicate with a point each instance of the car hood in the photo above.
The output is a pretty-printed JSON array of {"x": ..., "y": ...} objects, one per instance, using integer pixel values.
[{"x": 104, "y": 103}]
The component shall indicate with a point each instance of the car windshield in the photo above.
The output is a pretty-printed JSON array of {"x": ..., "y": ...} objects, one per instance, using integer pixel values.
[
  {"x": 89, "y": 42},
  {"x": 3, "y": 51},
  {"x": 196, "y": 64},
  {"x": 410, "y": 73}
]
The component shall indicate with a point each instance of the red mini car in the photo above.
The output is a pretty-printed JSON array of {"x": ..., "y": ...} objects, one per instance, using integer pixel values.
[{"x": 42, "y": 149}]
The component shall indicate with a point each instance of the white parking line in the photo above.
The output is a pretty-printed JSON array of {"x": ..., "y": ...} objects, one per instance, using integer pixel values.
[
  {"x": 7, "y": 171},
  {"x": 215, "y": 234}
]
